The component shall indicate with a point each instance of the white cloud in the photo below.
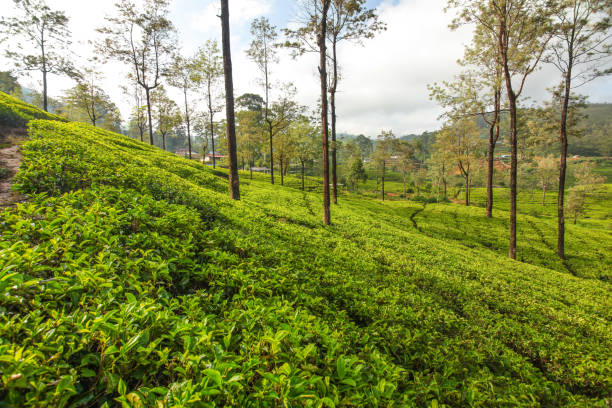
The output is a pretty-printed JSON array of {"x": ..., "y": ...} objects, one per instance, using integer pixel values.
[
  {"x": 241, "y": 12},
  {"x": 384, "y": 82}
]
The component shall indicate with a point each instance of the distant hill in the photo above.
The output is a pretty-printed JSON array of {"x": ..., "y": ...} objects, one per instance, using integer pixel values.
[{"x": 597, "y": 140}]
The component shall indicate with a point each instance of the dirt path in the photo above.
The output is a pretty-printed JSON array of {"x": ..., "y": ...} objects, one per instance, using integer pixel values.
[{"x": 9, "y": 159}]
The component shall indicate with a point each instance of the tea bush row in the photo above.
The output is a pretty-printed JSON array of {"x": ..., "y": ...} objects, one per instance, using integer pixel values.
[{"x": 124, "y": 247}]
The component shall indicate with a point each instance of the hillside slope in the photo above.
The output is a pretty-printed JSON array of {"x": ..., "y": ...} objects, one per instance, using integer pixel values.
[{"x": 130, "y": 278}]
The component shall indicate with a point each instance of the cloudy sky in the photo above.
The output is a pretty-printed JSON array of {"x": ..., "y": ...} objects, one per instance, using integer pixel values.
[{"x": 384, "y": 82}]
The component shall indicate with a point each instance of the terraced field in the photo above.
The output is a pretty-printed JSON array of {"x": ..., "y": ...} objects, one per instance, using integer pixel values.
[{"x": 130, "y": 279}]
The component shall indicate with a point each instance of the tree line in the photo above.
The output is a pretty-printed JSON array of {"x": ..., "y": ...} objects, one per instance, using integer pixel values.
[
  {"x": 511, "y": 40},
  {"x": 145, "y": 39}
]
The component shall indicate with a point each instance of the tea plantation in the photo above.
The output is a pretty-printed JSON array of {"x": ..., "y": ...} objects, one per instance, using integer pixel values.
[{"x": 130, "y": 279}]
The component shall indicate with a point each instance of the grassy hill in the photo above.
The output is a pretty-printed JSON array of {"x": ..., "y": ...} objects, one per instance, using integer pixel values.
[{"x": 130, "y": 279}]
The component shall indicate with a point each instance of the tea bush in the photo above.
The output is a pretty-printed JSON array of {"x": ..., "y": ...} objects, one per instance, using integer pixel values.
[
  {"x": 130, "y": 279},
  {"x": 16, "y": 113}
]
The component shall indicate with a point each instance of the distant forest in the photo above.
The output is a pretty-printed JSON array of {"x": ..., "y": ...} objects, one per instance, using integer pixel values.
[{"x": 596, "y": 140}]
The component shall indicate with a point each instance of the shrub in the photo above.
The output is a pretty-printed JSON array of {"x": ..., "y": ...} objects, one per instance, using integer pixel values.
[
  {"x": 16, "y": 113},
  {"x": 130, "y": 278}
]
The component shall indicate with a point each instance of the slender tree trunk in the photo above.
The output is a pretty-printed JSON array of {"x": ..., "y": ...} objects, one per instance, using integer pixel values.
[
  {"x": 493, "y": 137},
  {"x": 382, "y": 178},
  {"x": 543, "y": 195},
  {"x": 188, "y": 124},
  {"x": 404, "y": 181},
  {"x": 467, "y": 190},
  {"x": 444, "y": 178},
  {"x": 503, "y": 48},
  {"x": 212, "y": 123},
  {"x": 302, "y": 163},
  {"x": 281, "y": 171},
  {"x": 163, "y": 141},
  {"x": 45, "y": 102},
  {"x": 212, "y": 138},
  {"x": 322, "y": 36},
  {"x": 93, "y": 104},
  {"x": 513, "y": 172},
  {"x": 229, "y": 103},
  {"x": 148, "y": 93},
  {"x": 332, "y": 101},
  {"x": 44, "y": 72},
  {"x": 444, "y": 181},
  {"x": 270, "y": 136},
  {"x": 251, "y": 169},
  {"x": 563, "y": 160},
  {"x": 267, "y": 110}
]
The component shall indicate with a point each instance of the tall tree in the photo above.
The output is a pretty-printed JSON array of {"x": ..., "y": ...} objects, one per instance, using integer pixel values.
[
  {"x": 521, "y": 31},
  {"x": 138, "y": 115},
  {"x": 251, "y": 102},
  {"x": 249, "y": 136},
  {"x": 44, "y": 38},
  {"x": 311, "y": 35},
  {"x": 384, "y": 149},
  {"x": 349, "y": 20},
  {"x": 229, "y": 103},
  {"x": 306, "y": 146},
  {"x": 405, "y": 155},
  {"x": 262, "y": 51},
  {"x": 89, "y": 98},
  {"x": 438, "y": 170},
  {"x": 167, "y": 113},
  {"x": 587, "y": 182},
  {"x": 142, "y": 38},
  {"x": 483, "y": 54},
  {"x": 282, "y": 113},
  {"x": 182, "y": 75},
  {"x": 581, "y": 50},
  {"x": 284, "y": 151},
  {"x": 88, "y": 102},
  {"x": 461, "y": 143},
  {"x": 478, "y": 92},
  {"x": 356, "y": 172},
  {"x": 321, "y": 42},
  {"x": 210, "y": 71},
  {"x": 545, "y": 171}
]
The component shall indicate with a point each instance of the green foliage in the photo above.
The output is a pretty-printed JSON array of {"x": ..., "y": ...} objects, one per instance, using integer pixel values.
[
  {"x": 130, "y": 278},
  {"x": 356, "y": 173},
  {"x": 9, "y": 84},
  {"x": 596, "y": 141},
  {"x": 16, "y": 113},
  {"x": 87, "y": 102}
]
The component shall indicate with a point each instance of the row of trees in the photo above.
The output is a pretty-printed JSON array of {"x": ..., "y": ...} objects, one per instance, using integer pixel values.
[
  {"x": 144, "y": 39},
  {"x": 321, "y": 26},
  {"x": 511, "y": 40}
]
